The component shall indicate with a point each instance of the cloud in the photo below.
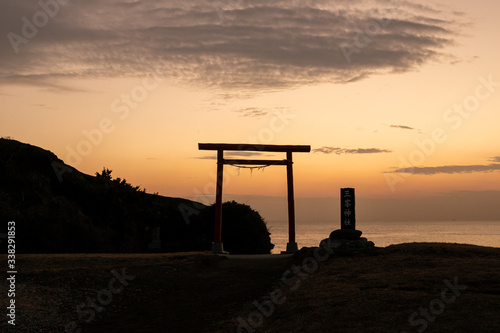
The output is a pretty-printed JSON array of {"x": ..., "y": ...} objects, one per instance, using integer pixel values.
[
  {"x": 403, "y": 127},
  {"x": 339, "y": 151},
  {"x": 252, "y": 112},
  {"x": 495, "y": 159},
  {"x": 449, "y": 169},
  {"x": 207, "y": 157},
  {"x": 256, "y": 45},
  {"x": 257, "y": 112}
]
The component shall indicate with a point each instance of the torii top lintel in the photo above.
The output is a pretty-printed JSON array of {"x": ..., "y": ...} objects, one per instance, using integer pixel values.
[{"x": 254, "y": 147}]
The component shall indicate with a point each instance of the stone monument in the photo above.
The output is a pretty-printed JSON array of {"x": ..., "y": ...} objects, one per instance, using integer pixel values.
[{"x": 347, "y": 239}]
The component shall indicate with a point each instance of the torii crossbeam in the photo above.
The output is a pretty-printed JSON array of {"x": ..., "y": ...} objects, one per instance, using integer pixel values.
[{"x": 217, "y": 246}]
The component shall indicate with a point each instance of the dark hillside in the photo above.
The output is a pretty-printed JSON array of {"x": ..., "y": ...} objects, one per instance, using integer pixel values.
[{"x": 58, "y": 209}]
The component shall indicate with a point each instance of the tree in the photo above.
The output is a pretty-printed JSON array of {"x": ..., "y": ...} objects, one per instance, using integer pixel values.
[{"x": 105, "y": 174}]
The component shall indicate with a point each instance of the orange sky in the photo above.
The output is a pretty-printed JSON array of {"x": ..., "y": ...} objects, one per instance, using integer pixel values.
[{"x": 102, "y": 96}]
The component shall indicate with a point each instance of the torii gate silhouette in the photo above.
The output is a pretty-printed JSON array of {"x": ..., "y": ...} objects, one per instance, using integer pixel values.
[{"x": 217, "y": 246}]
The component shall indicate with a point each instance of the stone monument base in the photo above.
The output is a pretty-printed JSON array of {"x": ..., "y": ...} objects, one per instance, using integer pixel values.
[
  {"x": 218, "y": 248},
  {"x": 347, "y": 241},
  {"x": 346, "y": 234},
  {"x": 290, "y": 248}
]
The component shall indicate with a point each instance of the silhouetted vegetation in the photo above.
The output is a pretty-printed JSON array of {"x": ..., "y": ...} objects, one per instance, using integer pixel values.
[
  {"x": 244, "y": 231},
  {"x": 59, "y": 209}
]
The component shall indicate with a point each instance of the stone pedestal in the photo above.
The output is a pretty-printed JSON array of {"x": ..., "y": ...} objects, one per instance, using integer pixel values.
[
  {"x": 218, "y": 248},
  {"x": 346, "y": 234},
  {"x": 346, "y": 241},
  {"x": 290, "y": 248}
]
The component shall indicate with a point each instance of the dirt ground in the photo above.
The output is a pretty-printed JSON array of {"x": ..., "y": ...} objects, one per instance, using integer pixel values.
[{"x": 402, "y": 288}]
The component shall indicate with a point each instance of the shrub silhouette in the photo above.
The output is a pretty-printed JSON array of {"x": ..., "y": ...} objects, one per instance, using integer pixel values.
[{"x": 244, "y": 231}]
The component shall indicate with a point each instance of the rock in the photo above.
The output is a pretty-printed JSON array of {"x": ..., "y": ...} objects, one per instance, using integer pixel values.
[
  {"x": 325, "y": 243},
  {"x": 346, "y": 234},
  {"x": 347, "y": 246}
]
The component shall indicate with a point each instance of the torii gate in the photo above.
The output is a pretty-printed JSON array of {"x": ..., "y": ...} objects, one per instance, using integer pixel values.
[{"x": 220, "y": 147}]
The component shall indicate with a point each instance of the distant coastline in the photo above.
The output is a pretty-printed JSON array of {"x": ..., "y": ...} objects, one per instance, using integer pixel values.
[{"x": 482, "y": 233}]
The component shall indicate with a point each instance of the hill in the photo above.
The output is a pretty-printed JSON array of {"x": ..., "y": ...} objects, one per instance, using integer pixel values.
[{"x": 58, "y": 209}]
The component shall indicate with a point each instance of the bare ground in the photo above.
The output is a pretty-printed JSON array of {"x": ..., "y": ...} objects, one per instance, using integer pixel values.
[{"x": 399, "y": 288}]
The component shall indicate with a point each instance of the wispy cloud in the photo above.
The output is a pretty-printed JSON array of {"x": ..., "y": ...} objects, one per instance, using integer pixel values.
[
  {"x": 252, "y": 112},
  {"x": 406, "y": 128},
  {"x": 259, "y": 44},
  {"x": 449, "y": 169},
  {"x": 403, "y": 127},
  {"x": 206, "y": 157},
  {"x": 339, "y": 151},
  {"x": 452, "y": 169}
]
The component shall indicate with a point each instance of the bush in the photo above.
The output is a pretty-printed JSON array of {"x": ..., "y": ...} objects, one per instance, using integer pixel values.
[{"x": 244, "y": 231}]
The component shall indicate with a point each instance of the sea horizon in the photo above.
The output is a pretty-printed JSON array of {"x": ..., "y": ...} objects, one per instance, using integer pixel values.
[{"x": 481, "y": 233}]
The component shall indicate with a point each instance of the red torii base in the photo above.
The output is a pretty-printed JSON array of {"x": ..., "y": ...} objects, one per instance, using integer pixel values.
[{"x": 217, "y": 246}]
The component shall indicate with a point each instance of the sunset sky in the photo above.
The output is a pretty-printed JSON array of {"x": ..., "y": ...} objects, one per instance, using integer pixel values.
[{"x": 399, "y": 99}]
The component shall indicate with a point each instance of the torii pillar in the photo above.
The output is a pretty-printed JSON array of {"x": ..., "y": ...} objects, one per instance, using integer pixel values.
[{"x": 217, "y": 246}]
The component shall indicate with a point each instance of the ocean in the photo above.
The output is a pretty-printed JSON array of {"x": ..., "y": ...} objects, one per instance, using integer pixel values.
[{"x": 484, "y": 233}]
